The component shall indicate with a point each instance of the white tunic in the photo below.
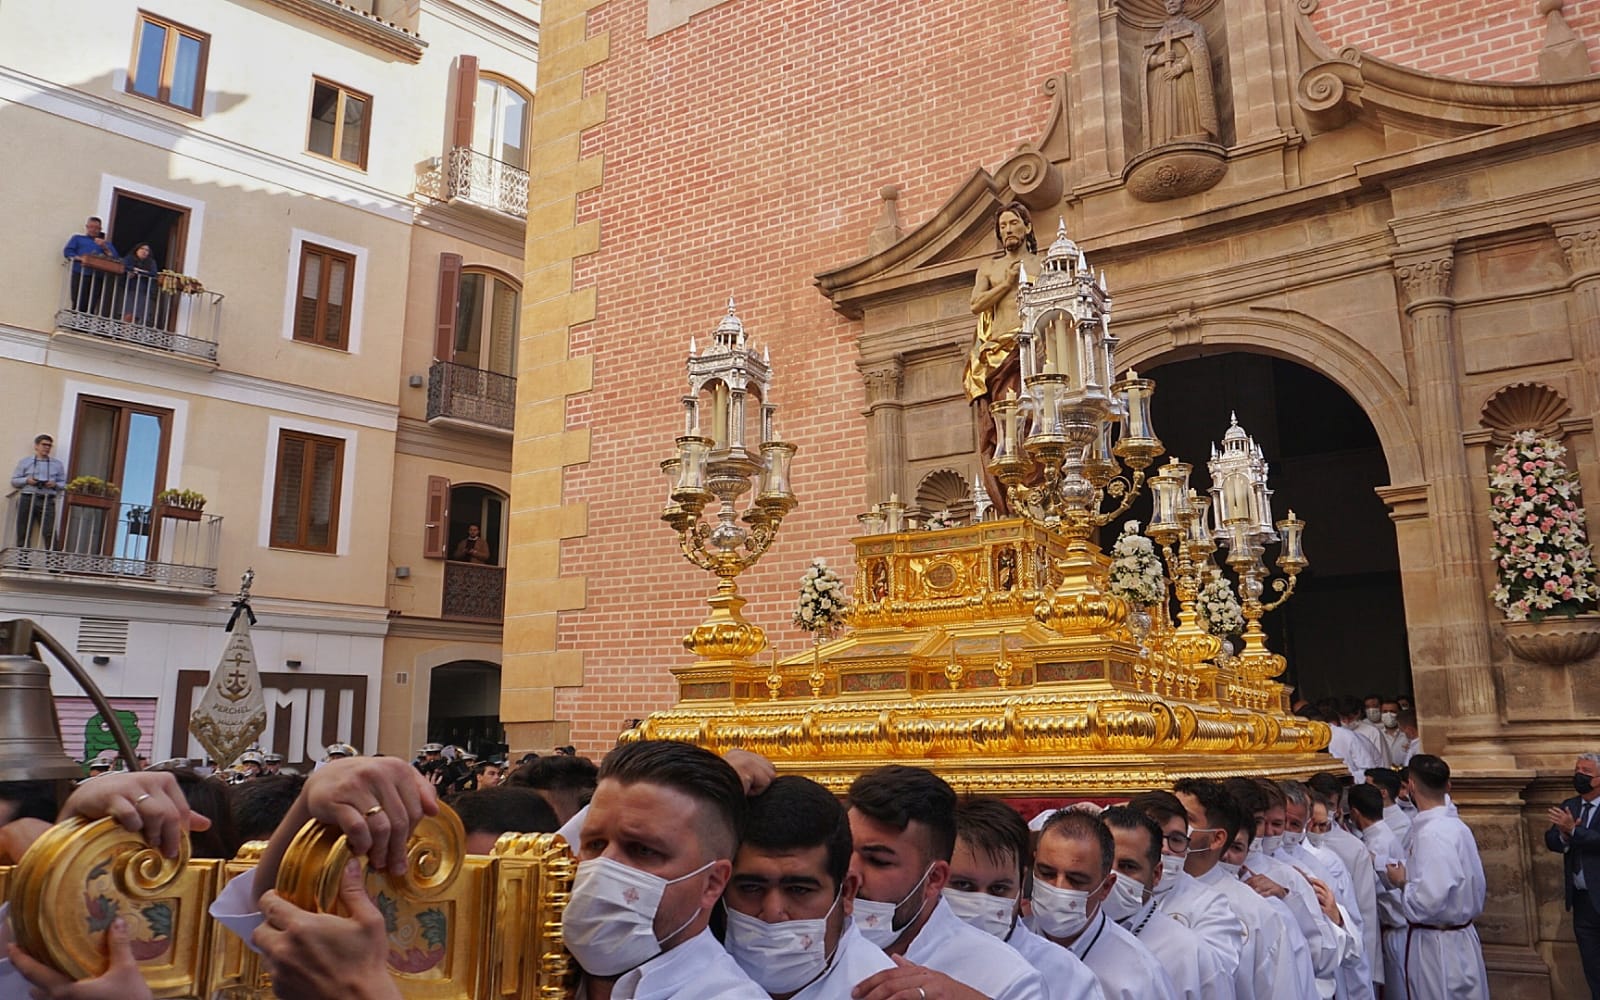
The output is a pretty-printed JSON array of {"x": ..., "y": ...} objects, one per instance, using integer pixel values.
[
  {"x": 1208, "y": 914},
  {"x": 1397, "y": 749},
  {"x": 1357, "y": 861},
  {"x": 1398, "y": 820},
  {"x": 1443, "y": 894},
  {"x": 1125, "y": 968},
  {"x": 1358, "y": 754},
  {"x": 1065, "y": 975},
  {"x": 1270, "y": 966},
  {"x": 854, "y": 959},
  {"x": 949, "y": 945},
  {"x": 1188, "y": 961},
  {"x": 1322, "y": 937},
  {"x": 697, "y": 969},
  {"x": 1355, "y": 973}
]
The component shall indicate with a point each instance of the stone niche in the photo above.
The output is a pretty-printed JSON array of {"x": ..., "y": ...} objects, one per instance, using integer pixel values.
[{"x": 1177, "y": 107}]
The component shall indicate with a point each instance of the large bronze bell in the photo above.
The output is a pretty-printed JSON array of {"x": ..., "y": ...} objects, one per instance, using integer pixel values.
[{"x": 30, "y": 730}]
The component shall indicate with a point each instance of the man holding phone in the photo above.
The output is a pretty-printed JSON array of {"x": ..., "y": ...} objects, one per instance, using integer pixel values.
[{"x": 40, "y": 478}]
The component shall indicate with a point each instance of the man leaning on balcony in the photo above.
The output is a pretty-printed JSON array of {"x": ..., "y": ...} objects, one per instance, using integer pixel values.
[
  {"x": 92, "y": 242},
  {"x": 39, "y": 478}
]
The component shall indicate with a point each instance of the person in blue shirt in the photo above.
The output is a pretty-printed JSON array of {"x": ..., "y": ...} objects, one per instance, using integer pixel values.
[
  {"x": 40, "y": 478},
  {"x": 92, "y": 242}
]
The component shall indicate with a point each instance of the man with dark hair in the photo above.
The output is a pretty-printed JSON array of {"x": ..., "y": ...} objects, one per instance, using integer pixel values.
[
  {"x": 489, "y": 812},
  {"x": 565, "y": 782},
  {"x": 259, "y": 806},
  {"x": 1273, "y": 962},
  {"x": 1353, "y": 716},
  {"x": 1442, "y": 890},
  {"x": 1135, "y": 870},
  {"x": 1354, "y": 751},
  {"x": 39, "y": 479},
  {"x": 903, "y": 825},
  {"x": 988, "y": 879},
  {"x": 1326, "y": 939},
  {"x": 1179, "y": 895},
  {"x": 1383, "y": 847},
  {"x": 1071, "y": 880},
  {"x": 1388, "y": 783},
  {"x": 791, "y": 894}
]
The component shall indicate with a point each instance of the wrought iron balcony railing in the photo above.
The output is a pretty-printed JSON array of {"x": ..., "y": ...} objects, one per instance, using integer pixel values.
[
  {"x": 476, "y": 178},
  {"x": 471, "y": 395},
  {"x": 100, "y": 540},
  {"x": 473, "y": 592},
  {"x": 162, "y": 312}
]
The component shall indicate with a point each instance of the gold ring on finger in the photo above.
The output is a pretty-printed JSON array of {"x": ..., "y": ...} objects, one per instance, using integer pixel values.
[{"x": 375, "y": 810}]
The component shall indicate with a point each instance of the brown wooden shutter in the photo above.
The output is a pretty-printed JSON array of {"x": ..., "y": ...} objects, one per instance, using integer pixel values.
[
  {"x": 436, "y": 528},
  {"x": 466, "y": 97},
  {"x": 444, "y": 337}
]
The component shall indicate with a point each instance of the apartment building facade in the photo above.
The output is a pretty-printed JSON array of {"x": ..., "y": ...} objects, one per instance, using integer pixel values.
[{"x": 304, "y": 311}]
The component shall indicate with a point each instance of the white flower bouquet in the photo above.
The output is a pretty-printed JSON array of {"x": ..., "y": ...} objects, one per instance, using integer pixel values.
[
  {"x": 1541, "y": 551},
  {"x": 1219, "y": 609},
  {"x": 822, "y": 607},
  {"x": 1136, "y": 574},
  {"x": 943, "y": 519}
]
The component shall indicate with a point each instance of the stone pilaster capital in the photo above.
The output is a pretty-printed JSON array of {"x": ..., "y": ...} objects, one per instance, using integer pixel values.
[
  {"x": 1425, "y": 276},
  {"x": 883, "y": 379},
  {"x": 1579, "y": 241}
]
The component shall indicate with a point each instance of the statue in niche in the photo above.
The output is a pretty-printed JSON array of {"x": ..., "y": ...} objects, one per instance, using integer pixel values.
[
  {"x": 1176, "y": 93},
  {"x": 992, "y": 364}
]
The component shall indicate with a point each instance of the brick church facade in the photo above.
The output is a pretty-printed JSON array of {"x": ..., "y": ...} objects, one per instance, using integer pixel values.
[{"x": 1399, "y": 198}]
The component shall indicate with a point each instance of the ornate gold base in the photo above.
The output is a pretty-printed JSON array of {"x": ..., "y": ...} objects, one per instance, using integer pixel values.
[{"x": 992, "y": 654}]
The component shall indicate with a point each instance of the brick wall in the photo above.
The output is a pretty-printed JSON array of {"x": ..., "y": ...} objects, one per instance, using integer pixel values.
[
  {"x": 1475, "y": 39},
  {"x": 734, "y": 165},
  {"x": 743, "y": 154}
]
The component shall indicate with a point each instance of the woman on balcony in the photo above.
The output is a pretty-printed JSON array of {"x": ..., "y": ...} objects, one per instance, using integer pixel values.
[{"x": 139, "y": 285}]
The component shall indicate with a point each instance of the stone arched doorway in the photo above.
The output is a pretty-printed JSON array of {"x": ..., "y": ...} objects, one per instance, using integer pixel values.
[
  {"x": 1344, "y": 631},
  {"x": 464, "y": 705}
]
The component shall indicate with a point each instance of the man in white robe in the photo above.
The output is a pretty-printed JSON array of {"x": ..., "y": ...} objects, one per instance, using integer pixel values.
[
  {"x": 994, "y": 853},
  {"x": 1442, "y": 892},
  {"x": 1324, "y": 836},
  {"x": 1179, "y": 894},
  {"x": 1071, "y": 879},
  {"x": 1354, "y": 980},
  {"x": 1137, "y": 867},
  {"x": 1366, "y": 812}
]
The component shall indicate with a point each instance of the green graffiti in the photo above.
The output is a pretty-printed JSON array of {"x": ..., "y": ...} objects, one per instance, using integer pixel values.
[{"x": 97, "y": 736}]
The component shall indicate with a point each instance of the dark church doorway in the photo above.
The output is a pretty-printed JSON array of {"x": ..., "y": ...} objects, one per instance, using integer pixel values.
[
  {"x": 1344, "y": 630},
  {"x": 464, "y": 706}
]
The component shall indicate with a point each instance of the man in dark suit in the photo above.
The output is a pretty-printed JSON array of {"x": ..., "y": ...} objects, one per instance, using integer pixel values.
[{"x": 1575, "y": 834}]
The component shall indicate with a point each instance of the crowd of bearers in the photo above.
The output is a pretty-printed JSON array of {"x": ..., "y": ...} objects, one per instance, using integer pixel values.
[{"x": 707, "y": 877}]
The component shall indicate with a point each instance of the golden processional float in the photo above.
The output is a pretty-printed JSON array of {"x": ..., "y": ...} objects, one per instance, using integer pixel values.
[{"x": 997, "y": 653}]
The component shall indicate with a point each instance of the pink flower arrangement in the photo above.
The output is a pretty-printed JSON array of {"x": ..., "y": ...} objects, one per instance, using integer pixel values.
[{"x": 1541, "y": 550}]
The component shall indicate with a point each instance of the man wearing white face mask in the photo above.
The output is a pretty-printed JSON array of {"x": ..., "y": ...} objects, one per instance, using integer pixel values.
[
  {"x": 1396, "y": 744},
  {"x": 1354, "y": 977},
  {"x": 1137, "y": 869},
  {"x": 654, "y": 856},
  {"x": 903, "y": 825},
  {"x": 1325, "y": 836},
  {"x": 790, "y": 899},
  {"x": 987, "y": 873},
  {"x": 1071, "y": 880},
  {"x": 1186, "y": 851},
  {"x": 1274, "y": 962}
]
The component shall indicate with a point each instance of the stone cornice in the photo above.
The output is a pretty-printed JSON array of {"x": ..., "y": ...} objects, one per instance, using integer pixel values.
[
  {"x": 402, "y": 627},
  {"x": 358, "y": 24}
]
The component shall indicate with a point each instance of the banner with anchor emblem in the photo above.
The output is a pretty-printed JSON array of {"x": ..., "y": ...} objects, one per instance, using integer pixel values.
[{"x": 233, "y": 712}]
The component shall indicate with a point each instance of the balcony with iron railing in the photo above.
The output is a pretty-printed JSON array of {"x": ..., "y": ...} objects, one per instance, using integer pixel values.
[
  {"x": 466, "y": 176},
  {"x": 470, "y": 398},
  {"x": 95, "y": 540},
  {"x": 473, "y": 592},
  {"x": 165, "y": 312}
]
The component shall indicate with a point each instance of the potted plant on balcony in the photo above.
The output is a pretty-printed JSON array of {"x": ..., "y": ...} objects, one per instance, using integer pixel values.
[
  {"x": 1545, "y": 567},
  {"x": 174, "y": 283},
  {"x": 92, "y": 491},
  {"x": 180, "y": 505}
]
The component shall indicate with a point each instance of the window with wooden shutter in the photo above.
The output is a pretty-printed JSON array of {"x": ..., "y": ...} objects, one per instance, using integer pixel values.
[
  {"x": 325, "y": 291},
  {"x": 444, "y": 335},
  {"x": 466, "y": 101},
  {"x": 305, "y": 492},
  {"x": 436, "y": 526}
]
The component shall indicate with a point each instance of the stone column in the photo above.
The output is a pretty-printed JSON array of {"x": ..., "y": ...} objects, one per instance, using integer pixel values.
[
  {"x": 886, "y": 432},
  {"x": 1580, "y": 242},
  {"x": 1459, "y": 640}
]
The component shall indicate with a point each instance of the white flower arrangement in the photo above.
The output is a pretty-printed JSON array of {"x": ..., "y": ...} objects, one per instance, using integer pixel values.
[
  {"x": 943, "y": 519},
  {"x": 1541, "y": 551},
  {"x": 822, "y": 607},
  {"x": 1219, "y": 609},
  {"x": 1136, "y": 574}
]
